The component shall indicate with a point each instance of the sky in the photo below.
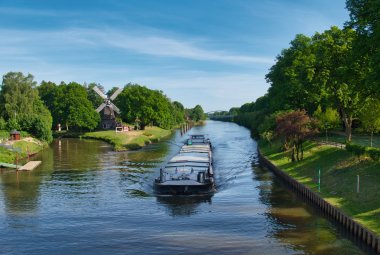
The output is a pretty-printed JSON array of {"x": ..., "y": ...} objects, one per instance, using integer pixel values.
[{"x": 215, "y": 53}]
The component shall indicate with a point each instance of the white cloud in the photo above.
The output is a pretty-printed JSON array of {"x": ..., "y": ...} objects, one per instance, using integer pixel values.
[{"x": 154, "y": 45}]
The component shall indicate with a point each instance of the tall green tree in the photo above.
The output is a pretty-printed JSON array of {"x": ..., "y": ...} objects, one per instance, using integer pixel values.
[
  {"x": 22, "y": 107},
  {"x": 72, "y": 107},
  {"x": 47, "y": 91},
  {"x": 178, "y": 112},
  {"x": 291, "y": 78},
  {"x": 146, "y": 105},
  {"x": 327, "y": 119},
  {"x": 364, "y": 18},
  {"x": 197, "y": 113},
  {"x": 340, "y": 73},
  {"x": 370, "y": 116}
]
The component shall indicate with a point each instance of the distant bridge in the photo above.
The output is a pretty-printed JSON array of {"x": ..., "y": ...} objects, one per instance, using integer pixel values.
[{"x": 213, "y": 116}]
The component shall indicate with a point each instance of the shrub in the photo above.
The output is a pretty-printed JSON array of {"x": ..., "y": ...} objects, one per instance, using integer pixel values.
[
  {"x": 374, "y": 153},
  {"x": 357, "y": 150}
]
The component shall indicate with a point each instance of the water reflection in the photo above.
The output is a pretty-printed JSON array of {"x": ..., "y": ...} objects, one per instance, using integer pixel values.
[
  {"x": 84, "y": 191},
  {"x": 183, "y": 205},
  {"x": 295, "y": 224}
]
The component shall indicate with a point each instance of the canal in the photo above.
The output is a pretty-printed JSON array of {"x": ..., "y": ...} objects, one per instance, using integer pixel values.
[{"x": 87, "y": 199}]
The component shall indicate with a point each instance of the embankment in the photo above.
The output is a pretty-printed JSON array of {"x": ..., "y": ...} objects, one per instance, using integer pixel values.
[{"x": 355, "y": 205}]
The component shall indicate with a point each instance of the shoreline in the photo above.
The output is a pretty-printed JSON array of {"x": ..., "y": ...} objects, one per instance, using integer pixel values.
[
  {"x": 131, "y": 140},
  {"x": 352, "y": 210},
  {"x": 28, "y": 147}
]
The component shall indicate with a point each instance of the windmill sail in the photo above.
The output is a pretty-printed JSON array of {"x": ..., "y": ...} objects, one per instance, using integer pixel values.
[
  {"x": 101, "y": 107},
  {"x": 115, "y": 108},
  {"x": 99, "y": 92},
  {"x": 117, "y": 92}
]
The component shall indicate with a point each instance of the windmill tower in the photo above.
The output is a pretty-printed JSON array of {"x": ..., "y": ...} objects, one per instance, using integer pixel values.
[{"x": 108, "y": 109}]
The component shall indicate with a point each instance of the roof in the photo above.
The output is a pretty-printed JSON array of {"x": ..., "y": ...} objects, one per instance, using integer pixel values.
[{"x": 14, "y": 132}]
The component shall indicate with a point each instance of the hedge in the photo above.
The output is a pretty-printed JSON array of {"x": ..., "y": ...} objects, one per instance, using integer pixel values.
[{"x": 359, "y": 151}]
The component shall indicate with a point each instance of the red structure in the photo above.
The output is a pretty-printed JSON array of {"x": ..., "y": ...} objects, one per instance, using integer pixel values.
[{"x": 15, "y": 135}]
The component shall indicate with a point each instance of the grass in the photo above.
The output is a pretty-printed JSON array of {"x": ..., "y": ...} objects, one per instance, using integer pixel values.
[
  {"x": 129, "y": 140},
  {"x": 339, "y": 171},
  {"x": 360, "y": 139},
  {"x": 20, "y": 149}
]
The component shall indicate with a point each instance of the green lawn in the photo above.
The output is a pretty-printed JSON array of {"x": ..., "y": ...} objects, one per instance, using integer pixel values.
[
  {"x": 22, "y": 148},
  {"x": 359, "y": 139},
  {"x": 129, "y": 140},
  {"x": 339, "y": 170}
]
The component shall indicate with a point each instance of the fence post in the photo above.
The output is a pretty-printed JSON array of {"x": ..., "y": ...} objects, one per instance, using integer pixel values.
[{"x": 358, "y": 184}]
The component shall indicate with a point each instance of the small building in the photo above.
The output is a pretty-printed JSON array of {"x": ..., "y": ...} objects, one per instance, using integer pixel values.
[{"x": 15, "y": 135}]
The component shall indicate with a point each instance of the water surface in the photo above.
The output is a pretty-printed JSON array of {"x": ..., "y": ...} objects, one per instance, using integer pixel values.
[{"x": 87, "y": 199}]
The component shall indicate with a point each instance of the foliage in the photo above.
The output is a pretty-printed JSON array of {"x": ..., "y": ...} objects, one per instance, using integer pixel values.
[
  {"x": 148, "y": 106},
  {"x": 291, "y": 77},
  {"x": 22, "y": 108},
  {"x": 267, "y": 136},
  {"x": 341, "y": 73},
  {"x": 94, "y": 98},
  {"x": 357, "y": 150},
  {"x": 294, "y": 127},
  {"x": 71, "y": 106},
  {"x": 362, "y": 151},
  {"x": 364, "y": 18},
  {"x": 3, "y": 123},
  {"x": 178, "y": 112},
  {"x": 370, "y": 116},
  {"x": 327, "y": 120},
  {"x": 197, "y": 113},
  {"x": 374, "y": 153}
]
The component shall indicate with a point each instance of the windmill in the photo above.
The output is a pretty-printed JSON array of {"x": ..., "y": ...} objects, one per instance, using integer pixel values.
[{"x": 108, "y": 109}]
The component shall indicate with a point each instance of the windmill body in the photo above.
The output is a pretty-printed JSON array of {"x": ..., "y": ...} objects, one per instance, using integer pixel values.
[{"x": 107, "y": 109}]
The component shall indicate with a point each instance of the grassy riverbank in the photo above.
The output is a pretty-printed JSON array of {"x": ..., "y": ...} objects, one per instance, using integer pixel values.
[
  {"x": 129, "y": 140},
  {"x": 339, "y": 171},
  {"x": 9, "y": 150}
]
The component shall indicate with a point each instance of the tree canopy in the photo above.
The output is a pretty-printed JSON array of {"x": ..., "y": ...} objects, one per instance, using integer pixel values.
[
  {"x": 148, "y": 106},
  {"x": 21, "y": 106}
]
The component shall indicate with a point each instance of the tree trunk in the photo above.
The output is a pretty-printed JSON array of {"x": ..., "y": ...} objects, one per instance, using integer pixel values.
[
  {"x": 297, "y": 151},
  {"x": 293, "y": 158},
  {"x": 348, "y": 126}
]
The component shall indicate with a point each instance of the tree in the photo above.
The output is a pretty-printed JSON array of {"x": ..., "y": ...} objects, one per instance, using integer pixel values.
[
  {"x": 327, "y": 120},
  {"x": 291, "y": 78},
  {"x": 178, "y": 112},
  {"x": 22, "y": 108},
  {"x": 364, "y": 18},
  {"x": 72, "y": 107},
  {"x": 146, "y": 105},
  {"x": 340, "y": 73},
  {"x": 294, "y": 127},
  {"x": 197, "y": 113},
  {"x": 47, "y": 90},
  {"x": 370, "y": 116}
]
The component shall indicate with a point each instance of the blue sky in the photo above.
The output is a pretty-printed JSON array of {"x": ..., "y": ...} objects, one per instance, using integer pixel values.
[{"x": 209, "y": 52}]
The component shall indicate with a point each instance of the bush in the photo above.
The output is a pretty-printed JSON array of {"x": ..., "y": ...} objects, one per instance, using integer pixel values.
[
  {"x": 357, "y": 150},
  {"x": 374, "y": 153}
]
